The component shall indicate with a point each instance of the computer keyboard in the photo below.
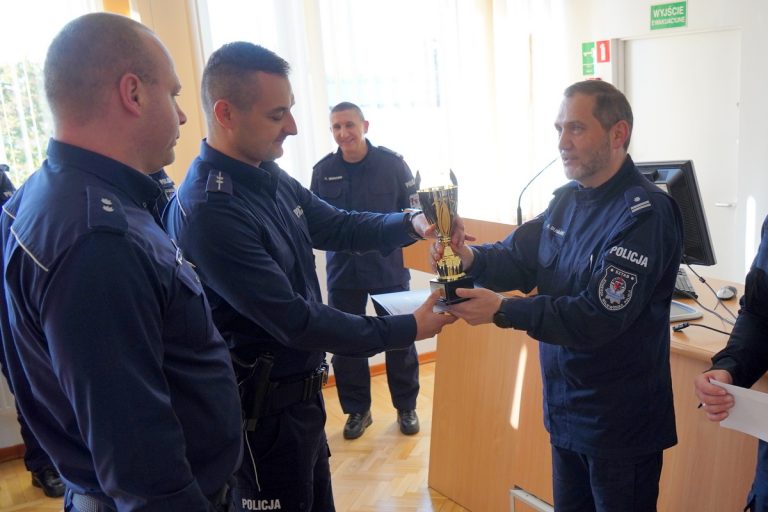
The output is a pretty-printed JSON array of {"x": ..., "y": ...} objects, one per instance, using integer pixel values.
[{"x": 683, "y": 287}]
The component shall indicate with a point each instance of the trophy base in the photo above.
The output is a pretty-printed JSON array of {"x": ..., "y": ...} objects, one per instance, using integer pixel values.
[{"x": 448, "y": 289}]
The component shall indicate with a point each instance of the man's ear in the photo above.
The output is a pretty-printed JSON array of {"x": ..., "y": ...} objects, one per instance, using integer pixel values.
[
  {"x": 131, "y": 91},
  {"x": 619, "y": 134},
  {"x": 224, "y": 113},
  {"x": 365, "y": 126}
]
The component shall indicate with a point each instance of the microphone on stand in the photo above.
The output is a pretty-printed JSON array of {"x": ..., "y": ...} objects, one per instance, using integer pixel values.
[{"x": 519, "y": 210}]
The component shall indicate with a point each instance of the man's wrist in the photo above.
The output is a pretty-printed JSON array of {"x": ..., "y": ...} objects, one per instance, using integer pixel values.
[
  {"x": 410, "y": 213},
  {"x": 500, "y": 318}
]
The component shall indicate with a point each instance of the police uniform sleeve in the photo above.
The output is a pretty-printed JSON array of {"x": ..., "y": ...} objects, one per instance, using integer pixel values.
[
  {"x": 333, "y": 229},
  {"x": 232, "y": 251},
  {"x": 626, "y": 275},
  {"x": 102, "y": 314},
  {"x": 407, "y": 196},
  {"x": 509, "y": 264},
  {"x": 745, "y": 356},
  {"x": 316, "y": 172}
]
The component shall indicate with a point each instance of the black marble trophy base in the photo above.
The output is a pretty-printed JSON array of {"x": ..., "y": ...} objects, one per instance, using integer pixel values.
[{"x": 448, "y": 289}]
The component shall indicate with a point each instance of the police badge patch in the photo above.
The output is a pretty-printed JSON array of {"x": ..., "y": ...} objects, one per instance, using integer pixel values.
[{"x": 615, "y": 288}]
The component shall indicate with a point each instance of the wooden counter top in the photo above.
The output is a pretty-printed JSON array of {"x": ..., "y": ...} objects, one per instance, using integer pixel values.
[{"x": 698, "y": 342}]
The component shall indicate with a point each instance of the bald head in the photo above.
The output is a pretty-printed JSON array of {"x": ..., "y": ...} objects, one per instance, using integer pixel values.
[{"x": 87, "y": 59}]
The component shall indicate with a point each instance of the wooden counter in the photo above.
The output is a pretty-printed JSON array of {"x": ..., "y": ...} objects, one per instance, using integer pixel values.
[{"x": 488, "y": 434}]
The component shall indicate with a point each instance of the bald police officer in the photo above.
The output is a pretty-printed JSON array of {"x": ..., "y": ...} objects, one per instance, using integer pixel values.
[{"x": 110, "y": 344}]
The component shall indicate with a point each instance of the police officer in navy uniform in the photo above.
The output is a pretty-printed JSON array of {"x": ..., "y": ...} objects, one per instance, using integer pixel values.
[
  {"x": 109, "y": 339},
  {"x": 742, "y": 362},
  {"x": 603, "y": 256},
  {"x": 250, "y": 229},
  {"x": 363, "y": 177},
  {"x": 37, "y": 462}
]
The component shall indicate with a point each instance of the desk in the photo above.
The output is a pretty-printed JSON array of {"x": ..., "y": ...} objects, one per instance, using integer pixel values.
[{"x": 488, "y": 434}]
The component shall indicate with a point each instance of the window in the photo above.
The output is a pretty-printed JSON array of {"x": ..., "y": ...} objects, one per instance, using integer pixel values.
[
  {"x": 25, "y": 124},
  {"x": 448, "y": 84}
]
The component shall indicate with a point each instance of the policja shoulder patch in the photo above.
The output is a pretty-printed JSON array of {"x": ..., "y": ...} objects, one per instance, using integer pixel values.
[{"x": 615, "y": 288}]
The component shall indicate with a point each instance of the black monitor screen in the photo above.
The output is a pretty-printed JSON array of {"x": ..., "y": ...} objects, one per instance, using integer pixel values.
[{"x": 678, "y": 179}]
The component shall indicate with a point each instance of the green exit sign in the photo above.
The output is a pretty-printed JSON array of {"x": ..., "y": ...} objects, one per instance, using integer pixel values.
[{"x": 670, "y": 15}]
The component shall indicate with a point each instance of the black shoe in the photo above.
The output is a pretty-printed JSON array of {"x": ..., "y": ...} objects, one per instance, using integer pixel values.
[
  {"x": 409, "y": 422},
  {"x": 49, "y": 481},
  {"x": 356, "y": 424}
]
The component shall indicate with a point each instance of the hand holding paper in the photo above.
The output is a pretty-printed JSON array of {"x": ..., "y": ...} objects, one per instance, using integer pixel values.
[
  {"x": 749, "y": 413},
  {"x": 714, "y": 400}
]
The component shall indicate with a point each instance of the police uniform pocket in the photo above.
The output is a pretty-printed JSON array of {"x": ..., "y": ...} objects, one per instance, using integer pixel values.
[
  {"x": 382, "y": 193},
  {"x": 549, "y": 248},
  {"x": 188, "y": 319},
  {"x": 330, "y": 187}
]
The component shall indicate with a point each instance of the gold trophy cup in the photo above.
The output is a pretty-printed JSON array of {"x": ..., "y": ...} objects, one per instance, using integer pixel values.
[{"x": 439, "y": 205}]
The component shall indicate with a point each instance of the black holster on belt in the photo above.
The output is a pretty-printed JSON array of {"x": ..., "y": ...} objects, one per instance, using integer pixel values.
[
  {"x": 254, "y": 387},
  {"x": 263, "y": 397}
]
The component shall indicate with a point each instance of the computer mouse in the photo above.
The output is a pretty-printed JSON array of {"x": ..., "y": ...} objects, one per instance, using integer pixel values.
[{"x": 726, "y": 292}]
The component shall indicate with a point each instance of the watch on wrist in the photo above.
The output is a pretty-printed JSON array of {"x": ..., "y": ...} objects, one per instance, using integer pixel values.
[
  {"x": 409, "y": 215},
  {"x": 501, "y": 319}
]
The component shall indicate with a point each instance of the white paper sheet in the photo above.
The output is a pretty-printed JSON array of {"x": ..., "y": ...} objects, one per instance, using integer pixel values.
[
  {"x": 749, "y": 414},
  {"x": 404, "y": 303}
]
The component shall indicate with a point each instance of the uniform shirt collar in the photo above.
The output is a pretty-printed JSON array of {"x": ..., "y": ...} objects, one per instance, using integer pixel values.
[
  {"x": 340, "y": 156},
  {"x": 264, "y": 177},
  {"x": 609, "y": 188},
  {"x": 142, "y": 189}
]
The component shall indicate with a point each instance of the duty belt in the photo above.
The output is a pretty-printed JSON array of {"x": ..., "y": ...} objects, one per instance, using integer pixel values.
[
  {"x": 282, "y": 394},
  {"x": 86, "y": 503}
]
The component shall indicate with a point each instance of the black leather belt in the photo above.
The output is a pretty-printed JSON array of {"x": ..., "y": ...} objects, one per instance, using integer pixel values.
[{"x": 284, "y": 394}]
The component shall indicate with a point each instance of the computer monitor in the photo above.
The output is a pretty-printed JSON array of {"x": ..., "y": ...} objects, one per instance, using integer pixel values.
[{"x": 678, "y": 179}]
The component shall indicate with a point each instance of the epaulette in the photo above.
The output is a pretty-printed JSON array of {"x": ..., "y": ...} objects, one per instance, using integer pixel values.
[
  {"x": 637, "y": 201},
  {"x": 105, "y": 211},
  {"x": 326, "y": 157},
  {"x": 219, "y": 181},
  {"x": 387, "y": 150}
]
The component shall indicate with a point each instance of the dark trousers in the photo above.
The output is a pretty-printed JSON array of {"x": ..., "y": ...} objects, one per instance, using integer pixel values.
[
  {"x": 590, "y": 484},
  {"x": 353, "y": 376},
  {"x": 285, "y": 462},
  {"x": 758, "y": 495}
]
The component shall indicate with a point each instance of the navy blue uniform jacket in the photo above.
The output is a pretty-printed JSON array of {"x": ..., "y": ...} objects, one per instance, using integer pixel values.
[
  {"x": 250, "y": 232},
  {"x": 746, "y": 355},
  {"x": 114, "y": 359},
  {"x": 382, "y": 182},
  {"x": 604, "y": 261}
]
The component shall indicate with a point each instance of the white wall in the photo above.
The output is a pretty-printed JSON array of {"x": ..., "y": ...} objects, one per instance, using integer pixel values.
[{"x": 590, "y": 20}]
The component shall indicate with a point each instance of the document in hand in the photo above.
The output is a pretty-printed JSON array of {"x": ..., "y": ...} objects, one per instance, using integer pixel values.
[
  {"x": 404, "y": 303},
  {"x": 750, "y": 414}
]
